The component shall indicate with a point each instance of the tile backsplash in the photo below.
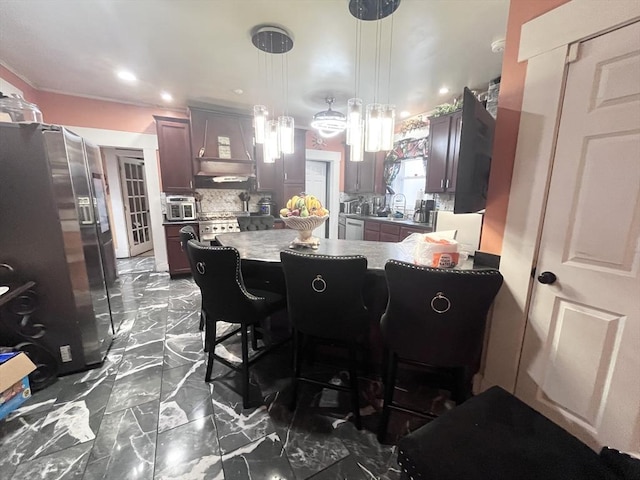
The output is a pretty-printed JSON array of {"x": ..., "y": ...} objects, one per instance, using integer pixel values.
[{"x": 225, "y": 200}]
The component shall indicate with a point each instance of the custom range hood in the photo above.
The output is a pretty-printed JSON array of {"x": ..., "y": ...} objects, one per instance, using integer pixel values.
[{"x": 223, "y": 173}]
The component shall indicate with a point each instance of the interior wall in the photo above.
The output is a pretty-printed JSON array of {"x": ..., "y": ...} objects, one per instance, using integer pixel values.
[{"x": 508, "y": 121}]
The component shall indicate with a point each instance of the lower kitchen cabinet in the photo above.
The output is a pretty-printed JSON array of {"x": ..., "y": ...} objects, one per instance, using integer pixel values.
[
  {"x": 372, "y": 231},
  {"x": 406, "y": 231},
  {"x": 177, "y": 257},
  {"x": 389, "y": 232},
  {"x": 342, "y": 227}
]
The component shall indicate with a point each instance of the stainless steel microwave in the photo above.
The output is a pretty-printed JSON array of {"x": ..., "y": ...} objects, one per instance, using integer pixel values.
[{"x": 181, "y": 208}]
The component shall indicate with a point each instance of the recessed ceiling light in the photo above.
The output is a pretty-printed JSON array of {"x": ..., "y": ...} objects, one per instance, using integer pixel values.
[
  {"x": 444, "y": 91},
  {"x": 166, "y": 96},
  {"x": 126, "y": 76},
  {"x": 404, "y": 114},
  {"x": 238, "y": 91}
]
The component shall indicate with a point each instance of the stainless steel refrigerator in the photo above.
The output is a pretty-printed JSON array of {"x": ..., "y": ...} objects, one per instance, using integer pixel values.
[{"x": 54, "y": 230}]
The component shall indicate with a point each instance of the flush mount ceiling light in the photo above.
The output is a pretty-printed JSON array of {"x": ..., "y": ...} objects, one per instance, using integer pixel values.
[
  {"x": 166, "y": 96},
  {"x": 277, "y": 136},
  {"x": 329, "y": 123},
  {"x": 127, "y": 76}
]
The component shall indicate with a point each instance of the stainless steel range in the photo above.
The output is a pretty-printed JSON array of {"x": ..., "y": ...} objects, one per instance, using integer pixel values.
[{"x": 213, "y": 223}]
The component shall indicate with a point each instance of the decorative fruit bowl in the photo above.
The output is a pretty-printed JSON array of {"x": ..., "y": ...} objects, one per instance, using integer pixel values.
[
  {"x": 305, "y": 227},
  {"x": 304, "y": 213}
]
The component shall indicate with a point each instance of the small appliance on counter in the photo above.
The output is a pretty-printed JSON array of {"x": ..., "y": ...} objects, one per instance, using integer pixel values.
[
  {"x": 267, "y": 206},
  {"x": 180, "y": 208},
  {"x": 349, "y": 206},
  {"x": 424, "y": 211}
]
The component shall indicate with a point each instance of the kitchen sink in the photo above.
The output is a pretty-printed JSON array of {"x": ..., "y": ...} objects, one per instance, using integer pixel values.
[{"x": 3, "y": 290}]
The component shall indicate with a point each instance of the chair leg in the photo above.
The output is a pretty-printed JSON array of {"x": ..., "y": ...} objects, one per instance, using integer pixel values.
[
  {"x": 389, "y": 387},
  {"x": 254, "y": 338},
  {"x": 210, "y": 347},
  {"x": 202, "y": 320},
  {"x": 353, "y": 374},
  {"x": 297, "y": 363},
  {"x": 245, "y": 366},
  {"x": 462, "y": 388}
]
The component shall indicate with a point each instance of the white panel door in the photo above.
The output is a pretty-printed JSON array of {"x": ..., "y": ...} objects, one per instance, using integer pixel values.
[
  {"x": 581, "y": 356},
  {"x": 316, "y": 184}
]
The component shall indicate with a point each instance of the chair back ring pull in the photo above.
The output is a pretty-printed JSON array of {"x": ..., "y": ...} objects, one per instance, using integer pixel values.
[
  {"x": 318, "y": 284},
  {"x": 444, "y": 308},
  {"x": 200, "y": 267}
]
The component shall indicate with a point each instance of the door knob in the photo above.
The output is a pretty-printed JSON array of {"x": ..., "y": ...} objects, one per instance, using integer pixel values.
[{"x": 547, "y": 278}]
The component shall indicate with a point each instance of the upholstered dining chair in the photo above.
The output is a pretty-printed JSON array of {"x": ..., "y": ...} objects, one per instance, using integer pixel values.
[
  {"x": 225, "y": 298},
  {"x": 188, "y": 233},
  {"x": 261, "y": 275},
  {"x": 325, "y": 302},
  {"x": 434, "y": 318},
  {"x": 255, "y": 222}
]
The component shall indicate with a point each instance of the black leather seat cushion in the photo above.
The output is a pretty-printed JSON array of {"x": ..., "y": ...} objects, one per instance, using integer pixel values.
[
  {"x": 496, "y": 436},
  {"x": 253, "y": 223}
]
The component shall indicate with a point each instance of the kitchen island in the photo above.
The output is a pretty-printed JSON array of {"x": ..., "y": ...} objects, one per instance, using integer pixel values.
[{"x": 266, "y": 246}]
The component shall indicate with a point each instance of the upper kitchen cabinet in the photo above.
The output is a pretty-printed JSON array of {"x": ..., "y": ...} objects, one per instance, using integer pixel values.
[
  {"x": 174, "y": 148},
  {"x": 365, "y": 176},
  {"x": 444, "y": 149},
  {"x": 294, "y": 165},
  {"x": 286, "y": 175}
]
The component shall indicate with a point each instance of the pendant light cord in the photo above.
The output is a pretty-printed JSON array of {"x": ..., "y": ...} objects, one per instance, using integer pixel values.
[{"x": 389, "y": 64}]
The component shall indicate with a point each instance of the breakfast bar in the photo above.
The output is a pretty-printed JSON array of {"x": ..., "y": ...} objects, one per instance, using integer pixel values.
[{"x": 266, "y": 246}]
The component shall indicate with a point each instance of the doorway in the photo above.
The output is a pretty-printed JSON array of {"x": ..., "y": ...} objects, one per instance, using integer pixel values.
[
  {"x": 316, "y": 184},
  {"x": 136, "y": 204},
  {"x": 323, "y": 175}
]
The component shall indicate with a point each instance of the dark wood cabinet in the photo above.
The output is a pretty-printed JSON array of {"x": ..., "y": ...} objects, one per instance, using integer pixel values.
[
  {"x": 444, "y": 149},
  {"x": 342, "y": 227},
  {"x": 286, "y": 177},
  {"x": 365, "y": 176},
  {"x": 174, "y": 149},
  {"x": 372, "y": 231},
  {"x": 266, "y": 173},
  {"x": 177, "y": 257},
  {"x": 406, "y": 231},
  {"x": 294, "y": 165}
]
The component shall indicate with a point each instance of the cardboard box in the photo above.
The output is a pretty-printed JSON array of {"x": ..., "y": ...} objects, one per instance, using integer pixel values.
[{"x": 14, "y": 381}]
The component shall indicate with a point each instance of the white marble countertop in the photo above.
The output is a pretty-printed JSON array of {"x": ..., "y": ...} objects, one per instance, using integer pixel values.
[{"x": 266, "y": 245}]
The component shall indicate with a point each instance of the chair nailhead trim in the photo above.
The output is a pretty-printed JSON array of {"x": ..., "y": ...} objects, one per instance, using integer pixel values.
[{"x": 442, "y": 270}]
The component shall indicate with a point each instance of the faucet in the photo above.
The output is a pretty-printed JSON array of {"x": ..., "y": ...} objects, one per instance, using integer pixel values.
[{"x": 395, "y": 200}]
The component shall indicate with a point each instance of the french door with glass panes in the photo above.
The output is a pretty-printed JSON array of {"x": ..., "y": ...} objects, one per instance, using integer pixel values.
[{"x": 136, "y": 205}]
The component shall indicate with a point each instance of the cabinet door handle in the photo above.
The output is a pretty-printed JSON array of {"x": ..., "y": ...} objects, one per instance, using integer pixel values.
[
  {"x": 442, "y": 183},
  {"x": 447, "y": 183},
  {"x": 191, "y": 184},
  {"x": 285, "y": 175}
]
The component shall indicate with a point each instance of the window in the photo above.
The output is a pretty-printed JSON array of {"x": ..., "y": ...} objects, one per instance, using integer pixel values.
[{"x": 411, "y": 180}]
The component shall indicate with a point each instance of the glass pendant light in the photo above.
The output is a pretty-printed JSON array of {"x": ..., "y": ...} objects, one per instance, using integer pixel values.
[
  {"x": 387, "y": 127},
  {"x": 286, "y": 134},
  {"x": 373, "y": 128},
  {"x": 260, "y": 115},
  {"x": 357, "y": 144},
  {"x": 273, "y": 139},
  {"x": 354, "y": 120}
]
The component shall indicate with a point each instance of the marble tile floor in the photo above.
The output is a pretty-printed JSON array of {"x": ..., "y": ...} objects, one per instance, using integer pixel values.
[{"x": 147, "y": 413}]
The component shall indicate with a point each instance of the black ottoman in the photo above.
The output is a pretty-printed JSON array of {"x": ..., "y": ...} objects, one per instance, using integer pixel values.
[{"x": 495, "y": 436}]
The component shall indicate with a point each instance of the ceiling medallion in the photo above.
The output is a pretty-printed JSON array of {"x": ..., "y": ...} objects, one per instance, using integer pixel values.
[
  {"x": 372, "y": 9},
  {"x": 271, "y": 39}
]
